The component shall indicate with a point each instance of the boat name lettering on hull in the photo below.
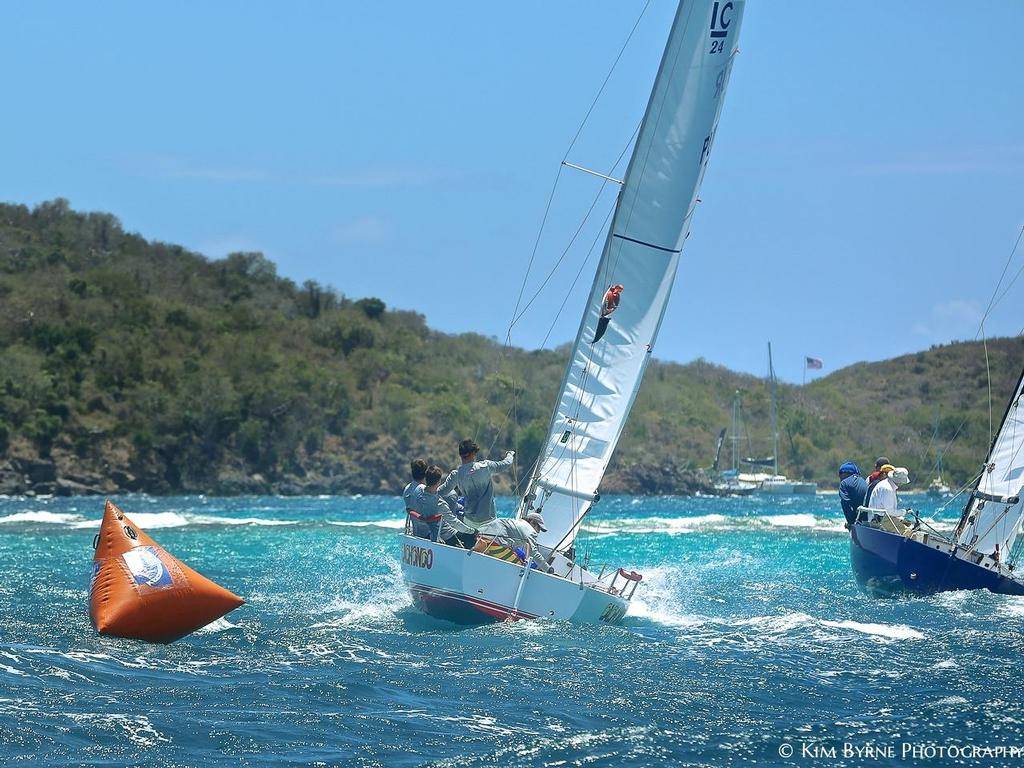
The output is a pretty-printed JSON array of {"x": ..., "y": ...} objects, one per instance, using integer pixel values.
[
  {"x": 421, "y": 557},
  {"x": 613, "y": 613}
]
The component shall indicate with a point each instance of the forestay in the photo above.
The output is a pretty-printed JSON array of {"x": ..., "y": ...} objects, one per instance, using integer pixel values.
[
  {"x": 993, "y": 515},
  {"x": 638, "y": 265}
]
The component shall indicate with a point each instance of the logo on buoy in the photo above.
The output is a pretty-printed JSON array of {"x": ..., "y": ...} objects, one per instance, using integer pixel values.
[{"x": 146, "y": 568}]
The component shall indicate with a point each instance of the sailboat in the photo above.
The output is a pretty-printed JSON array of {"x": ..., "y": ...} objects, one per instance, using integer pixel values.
[
  {"x": 937, "y": 488},
  {"x": 728, "y": 482},
  {"x": 903, "y": 554},
  {"x": 775, "y": 484},
  {"x": 613, "y": 347}
]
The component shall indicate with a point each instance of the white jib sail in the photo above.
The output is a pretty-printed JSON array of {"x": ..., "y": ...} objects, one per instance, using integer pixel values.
[
  {"x": 995, "y": 511},
  {"x": 638, "y": 265}
]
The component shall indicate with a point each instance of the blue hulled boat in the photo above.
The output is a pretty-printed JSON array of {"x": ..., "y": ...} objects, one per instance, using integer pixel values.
[{"x": 892, "y": 555}]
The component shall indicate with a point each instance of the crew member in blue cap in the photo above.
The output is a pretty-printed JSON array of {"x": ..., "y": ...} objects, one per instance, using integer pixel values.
[{"x": 852, "y": 490}]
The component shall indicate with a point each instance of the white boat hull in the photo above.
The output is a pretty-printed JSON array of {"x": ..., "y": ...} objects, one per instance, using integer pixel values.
[
  {"x": 787, "y": 488},
  {"x": 473, "y": 588}
]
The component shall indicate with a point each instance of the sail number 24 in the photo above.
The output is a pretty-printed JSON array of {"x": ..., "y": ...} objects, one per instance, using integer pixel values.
[{"x": 721, "y": 17}]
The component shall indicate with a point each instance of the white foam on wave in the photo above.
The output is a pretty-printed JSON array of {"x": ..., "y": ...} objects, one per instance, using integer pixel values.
[
  {"x": 894, "y": 631},
  {"x": 390, "y": 523},
  {"x": 145, "y": 520},
  {"x": 214, "y": 520},
  {"x": 713, "y": 522},
  {"x": 377, "y": 602},
  {"x": 1013, "y": 606},
  {"x": 632, "y": 525},
  {"x": 659, "y": 599},
  {"x": 787, "y": 622},
  {"x": 12, "y": 671},
  {"x": 138, "y": 729},
  {"x": 218, "y": 625},
  {"x": 41, "y": 516},
  {"x": 154, "y": 520},
  {"x": 805, "y": 520}
]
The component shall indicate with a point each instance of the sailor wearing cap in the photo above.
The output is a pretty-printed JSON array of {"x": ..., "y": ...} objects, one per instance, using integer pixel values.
[
  {"x": 883, "y": 495},
  {"x": 853, "y": 490},
  {"x": 522, "y": 533},
  {"x": 474, "y": 479}
]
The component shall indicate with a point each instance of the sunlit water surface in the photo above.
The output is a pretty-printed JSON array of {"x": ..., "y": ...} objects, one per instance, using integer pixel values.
[{"x": 747, "y": 637}]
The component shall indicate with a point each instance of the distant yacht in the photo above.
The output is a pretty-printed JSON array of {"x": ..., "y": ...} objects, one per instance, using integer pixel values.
[
  {"x": 727, "y": 481},
  {"x": 937, "y": 488},
  {"x": 775, "y": 484}
]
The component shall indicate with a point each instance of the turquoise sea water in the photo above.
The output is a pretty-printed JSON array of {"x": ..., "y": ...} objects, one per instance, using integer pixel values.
[{"x": 747, "y": 638}]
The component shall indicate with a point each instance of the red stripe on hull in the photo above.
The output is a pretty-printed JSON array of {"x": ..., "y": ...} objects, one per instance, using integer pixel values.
[{"x": 459, "y": 608}]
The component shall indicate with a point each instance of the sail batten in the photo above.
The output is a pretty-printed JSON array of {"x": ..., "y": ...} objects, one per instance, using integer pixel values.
[{"x": 634, "y": 279}]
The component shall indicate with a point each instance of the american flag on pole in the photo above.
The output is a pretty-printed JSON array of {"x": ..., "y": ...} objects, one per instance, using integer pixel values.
[{"x": 814, "y": 363}]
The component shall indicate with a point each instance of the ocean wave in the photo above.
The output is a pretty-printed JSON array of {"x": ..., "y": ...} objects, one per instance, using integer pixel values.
[
  {"x": 785, "y": 623},
  {"x": 893, "y": 631},
  {"x": 389, "y": 523},
  {"x": 145, "y": 520},
  {"x": 41, "y": 516},
  {"x": 714, "y": 522},
  {"x": 217, "y": 625}
]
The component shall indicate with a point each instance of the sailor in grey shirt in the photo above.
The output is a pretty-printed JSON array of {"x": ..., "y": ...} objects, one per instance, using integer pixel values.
[
  {"x": 419, "y": 472},
  {"x": 523, "y": 533},
  {"x": 474, "y": 479}
]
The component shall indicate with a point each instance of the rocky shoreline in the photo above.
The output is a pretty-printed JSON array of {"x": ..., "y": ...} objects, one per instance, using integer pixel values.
[{"x": 21, "y": 476}]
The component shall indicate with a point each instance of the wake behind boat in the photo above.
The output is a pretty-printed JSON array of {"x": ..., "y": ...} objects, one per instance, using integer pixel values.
[{"x": 613, "y": 346}]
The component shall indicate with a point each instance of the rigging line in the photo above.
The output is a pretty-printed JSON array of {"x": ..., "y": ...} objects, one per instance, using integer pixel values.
[
  {"x": 988, "y": 375},
  {"x": 960, "y": 492},
  {"x": 992, "y": 302},
  {"x": 606, "y": 79},
  {"x": 533, "y": 255},
  {"x": 572, "y": 241},
  {"x": 575, "y": 138},
  {"x": 579, "y": 272}
]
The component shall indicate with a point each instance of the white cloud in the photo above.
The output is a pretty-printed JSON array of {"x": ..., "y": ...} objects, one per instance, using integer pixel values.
[
  {"x": 163, "y": 166},
  {"x": 956, "y": 319},
  {"x": 365, "y": 229}
]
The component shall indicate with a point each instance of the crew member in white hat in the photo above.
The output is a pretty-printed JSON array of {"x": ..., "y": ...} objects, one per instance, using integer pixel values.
[{"x": 883, "y": 495}]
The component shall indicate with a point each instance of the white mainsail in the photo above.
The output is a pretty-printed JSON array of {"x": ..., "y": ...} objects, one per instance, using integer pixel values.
[
  {"x": 640, "y": 258},
  {"x": 994, "y": 513}
]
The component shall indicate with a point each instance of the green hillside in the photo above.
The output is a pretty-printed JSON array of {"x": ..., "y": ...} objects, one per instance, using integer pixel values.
[{"x": 135, "y": 365}]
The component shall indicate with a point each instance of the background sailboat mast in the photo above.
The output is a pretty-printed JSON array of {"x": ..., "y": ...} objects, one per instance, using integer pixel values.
[{"x": 774, "y": 414}]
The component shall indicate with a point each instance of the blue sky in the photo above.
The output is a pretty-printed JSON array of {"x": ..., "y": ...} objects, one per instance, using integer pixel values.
[{"x": 865, "y": 188}]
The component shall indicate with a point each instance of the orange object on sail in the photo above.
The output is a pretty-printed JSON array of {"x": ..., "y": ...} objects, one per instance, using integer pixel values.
[{"x": 140, "y": 591}]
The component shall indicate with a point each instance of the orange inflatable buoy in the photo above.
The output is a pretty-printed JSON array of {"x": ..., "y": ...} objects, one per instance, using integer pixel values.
[{"x": 140, "y": 591}]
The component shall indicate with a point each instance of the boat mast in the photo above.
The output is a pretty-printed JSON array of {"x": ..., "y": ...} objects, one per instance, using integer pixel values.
[
  {"x": 775, "y": 429},
  {"x": 735, "y": 427}
]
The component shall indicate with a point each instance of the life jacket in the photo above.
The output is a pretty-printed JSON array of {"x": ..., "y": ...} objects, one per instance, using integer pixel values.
[{"x": 417, "y": 516}]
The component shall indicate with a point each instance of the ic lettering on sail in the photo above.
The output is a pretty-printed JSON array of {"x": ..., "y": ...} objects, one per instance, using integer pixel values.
[{"x": 721, "y": 17}]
